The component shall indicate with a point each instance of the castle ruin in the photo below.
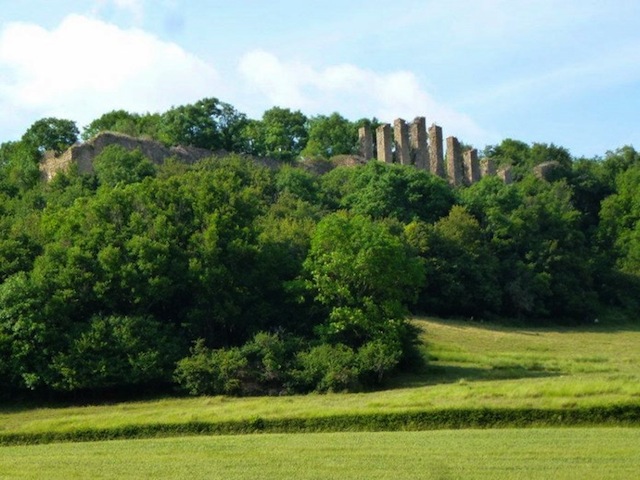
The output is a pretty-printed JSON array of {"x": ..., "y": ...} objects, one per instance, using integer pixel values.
[{"x": 414, "y": 145}]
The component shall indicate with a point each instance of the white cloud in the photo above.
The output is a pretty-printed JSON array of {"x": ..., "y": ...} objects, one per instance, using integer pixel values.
[
  {"x": 86, "y": 67},
  {"x": 353, "y": 92}
]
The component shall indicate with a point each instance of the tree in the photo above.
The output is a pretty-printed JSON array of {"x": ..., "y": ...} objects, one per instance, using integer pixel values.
[
  {"x": 115, "y": 121},
  {"x": 382, "y": 190},
  {"x": 331, "y": 135},
  {"x": 461, "y": 270},
  {"x": 364, "y": 275},
  {"x": 51, "y": 134},
  {"x": 208, "y": 123},
  {"x": 117, "y": 165},
  {"x": 281, "y": 134}
]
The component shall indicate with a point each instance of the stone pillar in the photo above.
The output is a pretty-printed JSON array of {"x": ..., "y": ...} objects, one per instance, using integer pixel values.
[
  {"x": 436, "y": 154},
  {"x": 401, "y": 136},
  {"x": 365, "y": 140},
  {"x": 506, "y": 175},
  {"x": 383, "y": 141},
  {"x": 419, "y": 146},
  {"x": 471, "y": 167},
  {"x": 487, "y": 167},
  {"x": 455, "y": 171}
]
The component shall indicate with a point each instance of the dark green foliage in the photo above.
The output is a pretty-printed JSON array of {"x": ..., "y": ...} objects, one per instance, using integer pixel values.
[
  {"x": 461, "y": 270},
  {"x": 116, "y": 351},
  {"x": 117, "y": 165},
  {"x": 106, "y": 279},
  {"x": 51, "y": 134},
  {"x": 212, "y": 372},
  {"x": 281, "y": 134},
  {"x": 208, "y": 123},
  {"x": 380, "y": 190},
  {"x": 331, "y": 135}
]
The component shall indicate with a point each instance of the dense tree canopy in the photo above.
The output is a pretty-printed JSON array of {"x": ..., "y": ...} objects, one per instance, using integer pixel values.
[{"x": 230, "y": 277}]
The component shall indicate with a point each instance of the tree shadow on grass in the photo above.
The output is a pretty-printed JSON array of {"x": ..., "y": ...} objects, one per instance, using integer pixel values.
[{"x": 445, "y": 374}]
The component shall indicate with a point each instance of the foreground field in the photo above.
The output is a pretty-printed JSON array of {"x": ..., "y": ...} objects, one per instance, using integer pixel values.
[
  {"x": 587, "y": 453},
  {"x": 472, "y": 366}
]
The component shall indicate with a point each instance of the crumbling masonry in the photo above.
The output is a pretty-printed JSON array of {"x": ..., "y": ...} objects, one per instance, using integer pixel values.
[{"x": 413, "y": 145}]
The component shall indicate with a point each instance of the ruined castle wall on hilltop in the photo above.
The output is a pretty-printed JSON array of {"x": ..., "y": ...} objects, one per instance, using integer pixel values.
[{"x": 84, "y": 154}]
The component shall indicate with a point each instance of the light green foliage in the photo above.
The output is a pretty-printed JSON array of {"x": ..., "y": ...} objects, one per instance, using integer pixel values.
[
  {"x": 328, "y": 368},
  {"x": 620, "y": 227},
  {"x": 364, "y": 275},
  {"x": 522, "y": 157},
  {"x": 128, "y": 123},
  {"x": 212, "y": 372},
  {"x": 19, "y": 170}
]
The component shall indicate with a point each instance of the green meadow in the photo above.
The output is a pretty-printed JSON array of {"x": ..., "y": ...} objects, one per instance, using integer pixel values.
[
  {"x": 472, "y": 367},
  {"x": 561, "y": 453}
]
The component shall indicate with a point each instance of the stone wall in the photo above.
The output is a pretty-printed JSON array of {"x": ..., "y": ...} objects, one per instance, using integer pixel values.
[{"x": 84, "y": 154}]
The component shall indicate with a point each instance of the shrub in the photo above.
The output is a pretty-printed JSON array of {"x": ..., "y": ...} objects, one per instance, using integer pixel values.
[
  {"x": 212, "y": 372},
  {"x": 377, "y": 359},
  {"x": 327, "y": 368}
]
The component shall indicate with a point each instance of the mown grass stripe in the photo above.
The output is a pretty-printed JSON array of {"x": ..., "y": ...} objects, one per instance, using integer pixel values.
[{"x": 619, "y": 415}]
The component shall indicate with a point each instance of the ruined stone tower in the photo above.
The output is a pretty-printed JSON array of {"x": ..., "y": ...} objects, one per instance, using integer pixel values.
[
  {"x": 436, "y": 154},
  {"x": 383, "y": 141},
  {"x": 365, "y": 140},
  {"x": 419, "y": 146},
  {"x": 454, "y": 162},
  {"x": 401, "y": 137},
  {"x": 471, "y": 167}
]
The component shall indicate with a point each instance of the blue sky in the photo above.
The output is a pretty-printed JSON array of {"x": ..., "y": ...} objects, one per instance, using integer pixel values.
[{"x": 553, "y": 71}]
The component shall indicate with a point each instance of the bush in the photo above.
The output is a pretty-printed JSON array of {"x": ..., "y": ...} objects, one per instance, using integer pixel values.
[
  {"x": 212, "y": 372},
  {"x": 327, "y": 368},
  {"x": 377, "y": 359},
  {"x": 115, "y": 351}
]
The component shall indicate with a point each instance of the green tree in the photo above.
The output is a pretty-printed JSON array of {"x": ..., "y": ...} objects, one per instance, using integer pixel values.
[
  {"x": 281, "y": 134},
  {"x": 51, "y": 134},
  {"x": 382, "y": 190},
  {"x": 117, "y": 165},
  {"x": 331, "y": 135},
  {"x": 125, "y": 122},
  {"x": 208, "y": 123},
  {"x": 461, "y": 270},
  {"x": 364, "y": 275}
]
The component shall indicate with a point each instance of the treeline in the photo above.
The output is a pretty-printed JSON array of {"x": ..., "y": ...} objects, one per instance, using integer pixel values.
[{"x": 230, "y": 277}]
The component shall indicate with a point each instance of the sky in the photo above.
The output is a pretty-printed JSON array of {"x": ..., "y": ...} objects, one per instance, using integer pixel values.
[{"x": 550, "y": 71}]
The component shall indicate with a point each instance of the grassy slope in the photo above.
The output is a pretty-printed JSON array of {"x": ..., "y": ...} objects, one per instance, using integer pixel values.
[
  {"x": 472, "y": 365},
  {"x": 586, "y": 453}
]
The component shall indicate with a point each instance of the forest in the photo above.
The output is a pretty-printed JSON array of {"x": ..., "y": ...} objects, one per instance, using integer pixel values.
[{"x": 232, "y": 277}]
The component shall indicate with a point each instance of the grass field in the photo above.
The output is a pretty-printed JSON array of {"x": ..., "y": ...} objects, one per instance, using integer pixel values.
[
  {"x": 561, "y": 453},
  {"x": 472, "y": 366}
]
